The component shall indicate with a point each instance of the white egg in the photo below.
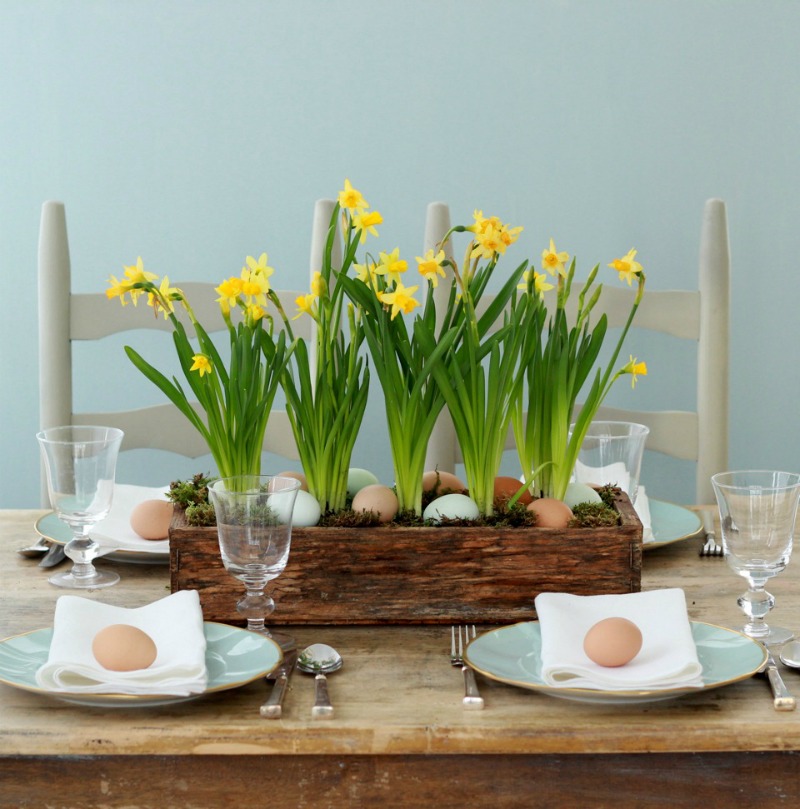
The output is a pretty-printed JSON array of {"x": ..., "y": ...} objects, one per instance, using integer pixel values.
[
  {"x": 581, "y": 493},
  {"x": 452, "y": 507},
  {"x": 306, "y": 510},
  {"x": 357, "y": 479}
]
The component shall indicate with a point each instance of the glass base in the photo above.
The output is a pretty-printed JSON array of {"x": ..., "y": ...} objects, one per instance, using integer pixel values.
[
  {"x": 776, "y": 636},
  {"x": 102, "y": 578},
  {"x": 286, "y": 642}
]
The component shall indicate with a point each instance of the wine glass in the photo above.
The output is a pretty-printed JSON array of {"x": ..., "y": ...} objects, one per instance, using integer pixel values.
[
  {"x": 757, "y": 513},
  {"x": 254, "y": 525},
  {"x": 80, "y": 462}
]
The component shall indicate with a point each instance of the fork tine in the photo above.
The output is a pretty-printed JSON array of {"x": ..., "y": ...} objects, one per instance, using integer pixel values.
[
  {"x": 460, "y": 645},
  {"x": 452, "y": 643}
]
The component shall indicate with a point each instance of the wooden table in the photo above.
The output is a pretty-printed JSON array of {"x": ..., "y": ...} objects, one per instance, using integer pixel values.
[{"x": 399, "y": 736}]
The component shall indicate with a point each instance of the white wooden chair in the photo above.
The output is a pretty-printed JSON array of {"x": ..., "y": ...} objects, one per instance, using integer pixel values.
[
  {"x": 701, "y": 315},
  {"x": 66, "y": 317}
]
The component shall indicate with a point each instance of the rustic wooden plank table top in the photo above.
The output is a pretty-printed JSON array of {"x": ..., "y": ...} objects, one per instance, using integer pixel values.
[{"x": 399, "y": 728}]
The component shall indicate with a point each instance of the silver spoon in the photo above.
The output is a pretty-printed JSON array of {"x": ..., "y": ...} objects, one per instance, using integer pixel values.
[
  {"x": 320, "y": 659},
  {"x": 790, "y": 655},
  {"x": 39, "y": 547}
]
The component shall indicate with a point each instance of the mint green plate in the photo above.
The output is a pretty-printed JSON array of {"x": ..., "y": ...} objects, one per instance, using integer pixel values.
[
  {"x": 671, "y": 523},
  {"x": 234, "y": 657},
  {"x": 512, "y": 655}
]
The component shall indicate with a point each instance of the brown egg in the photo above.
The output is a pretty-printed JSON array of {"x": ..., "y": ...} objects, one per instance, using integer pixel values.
[
  {"x": 506, "y": 487},
  {"x": 296, "y": 476},
  {"x": 613, "y": 642},
  {"x": 151, "y": 519},
  {"x": 120, "y": 647},
  {"x": 378, "y": 498},
  {"x": 446, "y": 481},
  {"x": 551, "y": 513}
]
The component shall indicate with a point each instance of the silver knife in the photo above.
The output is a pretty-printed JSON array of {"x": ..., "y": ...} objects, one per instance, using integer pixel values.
[
  {"x": 271, "y": 709},
  {"x": 782, "y": 699}
]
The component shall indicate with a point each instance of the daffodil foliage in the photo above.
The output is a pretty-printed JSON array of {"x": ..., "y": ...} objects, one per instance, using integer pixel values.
[
  {"x": 235, "y": 400},
  {"x": 560, "y": 365},
  {"x": 326, "y": 399}
]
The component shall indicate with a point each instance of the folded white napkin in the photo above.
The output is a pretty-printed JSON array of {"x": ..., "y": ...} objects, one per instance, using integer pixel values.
[
  {"x": 115, "y": 532},
  {"x": 667, "y": 659},
  {"x": 642, "y": 509},
  {"x": 175, "y": 623}
]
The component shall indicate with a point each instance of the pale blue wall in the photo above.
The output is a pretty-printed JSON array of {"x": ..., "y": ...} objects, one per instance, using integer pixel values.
[{"x": 194, "y": 133}]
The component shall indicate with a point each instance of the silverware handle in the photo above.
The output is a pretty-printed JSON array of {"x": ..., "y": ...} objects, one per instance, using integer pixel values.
[
  {"x": 272, "y": 709},
  {"x": 472, "y": 701},
  {"x": 782, "y": 699},
  {"x": 322, "y": 702},
  {"x": 708, "y": 524}
]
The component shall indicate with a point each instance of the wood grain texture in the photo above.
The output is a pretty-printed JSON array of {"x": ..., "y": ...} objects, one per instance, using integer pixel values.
[{"x": 418, "y": 575}]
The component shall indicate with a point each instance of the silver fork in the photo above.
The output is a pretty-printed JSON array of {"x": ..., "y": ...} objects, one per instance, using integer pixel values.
[
  {"x": 472, "y": 701},
  {"x": 710, "y": 548}
]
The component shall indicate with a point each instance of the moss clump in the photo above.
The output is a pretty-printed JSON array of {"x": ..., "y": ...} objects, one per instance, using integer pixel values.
[
  {"x": 185, "y": 493},
  {"x": 201, "y": 514},
  {"x": 593, "y": 515}
]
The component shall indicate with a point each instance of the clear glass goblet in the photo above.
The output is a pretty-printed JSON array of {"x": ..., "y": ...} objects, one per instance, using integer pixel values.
[
  {"x": 80, "y": 463},
  {"x": 757, "y": 514},
  {"x": 254, "y": 525}
]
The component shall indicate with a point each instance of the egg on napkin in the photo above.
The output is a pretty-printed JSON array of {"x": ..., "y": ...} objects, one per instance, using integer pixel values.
[
  {"x": 612, "y": 642},
  {"x": 174, "y": 624},
  {"x": 121, "y": 647},
  {"x": 151, "y": 519},
  {"x": 667, "y": 658}
]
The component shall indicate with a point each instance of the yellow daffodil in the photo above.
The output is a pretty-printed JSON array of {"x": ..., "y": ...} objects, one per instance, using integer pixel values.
[
  {"x": 483, "y": 223},
  {"x": 202, "y": 364},
  {"x": 134, "y": 283},
  {"x": 430, "y": 267},
  {"x": 400, "y": 299},
  {"x": 350, "y": 198},
  {"x": 627, "y": 268},
  {"x": 318, "y": 285},
  {"x": 367, "y": 274},
  {"x": 365, "y": 221},
  {"x": 509, "y": 235},
  {"x": 306, "y": 305},
  {"x": 488, "y": 243},
  {"x": 540, "y": 283},
  {"x": 229, "y": 291},
  {"x": 391, "y": 265},
  {"x": 253, "y": 313},
  {"x": 635, "y": 369},
  {"x": 553, "y": 261},
  {"x": 118, "y": 289},
  {"x": 163, "y": 299}
]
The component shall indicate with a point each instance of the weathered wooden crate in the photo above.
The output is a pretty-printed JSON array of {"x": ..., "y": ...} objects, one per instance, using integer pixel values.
[{"x": 418, "y": 575}]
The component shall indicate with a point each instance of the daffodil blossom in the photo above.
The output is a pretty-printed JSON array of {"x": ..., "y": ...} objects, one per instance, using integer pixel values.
[
  {"x": 553, "y": 261},
  {"x": 135, "y": 283},
  {"x": 367, "y": 274},
  {"x": 202, "y": 364},
  {"x": 365, "y": 221},
  {"x": 306, "y": 305},
  {"x": 540, "y": 283},
  {"x": 351, "y": 199},
  {"x": 627, "y": 267},
  {"x": 635, "y": 369},
  {"x": 391, "y": 265},
  {"x": 430, "y": 266},
  {"x": 165, "y": 298},
  {"x": 400, "y": 299}
]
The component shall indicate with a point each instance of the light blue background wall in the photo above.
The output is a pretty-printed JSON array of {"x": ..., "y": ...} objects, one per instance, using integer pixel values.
[{"x": 195, "y": 133}]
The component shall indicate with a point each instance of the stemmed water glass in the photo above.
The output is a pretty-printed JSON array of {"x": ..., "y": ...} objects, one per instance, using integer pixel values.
[
  {"x": 757, "y": 513},
  {"x": 254, "y": 525},
  {"x": 80, "y": 463}
]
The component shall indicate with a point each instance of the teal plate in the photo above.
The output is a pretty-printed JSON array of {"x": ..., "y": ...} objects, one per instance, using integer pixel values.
[
  {"x": 143, "y": 553},
  {"x": 234, "y": 657},
  {"x": 671, "y": 523},
  {"x": 512, "y": 655}
]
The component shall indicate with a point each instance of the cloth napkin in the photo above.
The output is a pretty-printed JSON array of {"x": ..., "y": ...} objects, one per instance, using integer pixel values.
[
  {"x": 175, "y": 623},
  {"x": 667, "y": 659},
  {"x": 642, "y": 509},
  {"x": 115, "y": 532}
]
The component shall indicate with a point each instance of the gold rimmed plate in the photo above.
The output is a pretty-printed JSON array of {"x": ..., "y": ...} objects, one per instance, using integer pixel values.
[
  {"x": 512, "y": 655},
  {"x": 671, "y": 523},
  {"x": 234, "y": 657}
]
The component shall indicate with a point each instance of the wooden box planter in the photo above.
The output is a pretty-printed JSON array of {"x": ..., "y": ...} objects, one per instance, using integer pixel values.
[{"x": 418, "y": 575}]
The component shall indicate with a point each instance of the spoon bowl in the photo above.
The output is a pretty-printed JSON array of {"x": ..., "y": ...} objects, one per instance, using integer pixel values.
[
  {"x": 41, "y": 546},
  {"x": 320, "y": 659},
  {"x": 790, "y": 655}
]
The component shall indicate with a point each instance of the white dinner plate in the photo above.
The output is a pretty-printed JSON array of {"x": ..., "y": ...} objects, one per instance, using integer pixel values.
[
  {"x": 234, "y": 657},
  {"x": 143, "y": 552},
  {"x": 671, "y": 523},
  {"x": 512, "y": 655}
]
